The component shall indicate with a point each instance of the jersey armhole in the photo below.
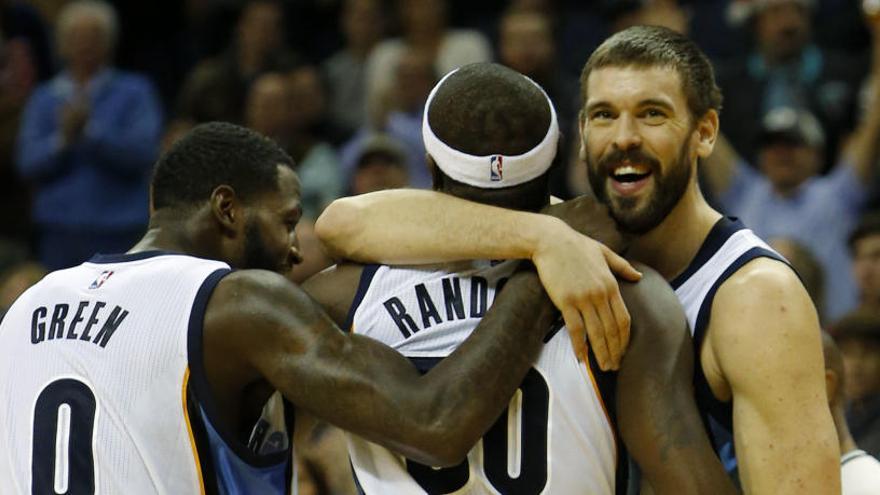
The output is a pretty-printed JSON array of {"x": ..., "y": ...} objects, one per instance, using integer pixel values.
[
  {"x": 366, "y": 279},
  {"x": 202, "y": 404}
]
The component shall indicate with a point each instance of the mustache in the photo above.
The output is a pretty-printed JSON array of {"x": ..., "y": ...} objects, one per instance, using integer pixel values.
[{"x": 609, "y": 162}]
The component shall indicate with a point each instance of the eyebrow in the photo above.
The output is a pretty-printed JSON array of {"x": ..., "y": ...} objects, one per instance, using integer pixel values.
[
  {"x": 650, "y": 102},
  {"x": 654, "y": 102}
]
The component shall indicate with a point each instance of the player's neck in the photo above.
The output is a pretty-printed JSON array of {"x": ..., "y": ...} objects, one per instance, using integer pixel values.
[
  {"x": 170, "y": 230},
  {"x": 671, "y": 246}
]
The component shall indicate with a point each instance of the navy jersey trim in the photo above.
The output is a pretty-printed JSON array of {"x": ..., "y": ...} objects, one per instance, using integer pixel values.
[
  {"x": 721, "y": 412},
  {"x": 851, "y": 456},
  {"x": 721, "y": 231},
  {"x": 202, "y": 390},
  {"x": 606, "y": 381},
  {"x": 367, "y": 275},
  {"x": 124, "y": 257},
  {"x": 202, "y": 443}
]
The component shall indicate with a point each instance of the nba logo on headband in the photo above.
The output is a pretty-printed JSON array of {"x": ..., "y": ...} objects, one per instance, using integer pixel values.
[{"x": 496, "y": 168}]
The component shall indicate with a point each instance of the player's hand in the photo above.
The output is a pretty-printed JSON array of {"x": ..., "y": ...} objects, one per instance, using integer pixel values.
[{"x": 578, "y": 274}]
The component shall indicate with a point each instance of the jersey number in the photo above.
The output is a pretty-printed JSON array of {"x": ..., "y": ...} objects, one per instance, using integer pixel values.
[
  {"x": 514, "y": 449},
  {"x": 64, "y": 420}
]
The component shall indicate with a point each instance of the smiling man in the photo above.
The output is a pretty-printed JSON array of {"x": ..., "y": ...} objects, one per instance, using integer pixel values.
[{"x": 651, "y": 114}]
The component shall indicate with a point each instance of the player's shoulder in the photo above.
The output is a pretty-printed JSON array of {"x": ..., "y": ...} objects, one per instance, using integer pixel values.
[
  {"x": 761, "y": 297},
  {"x": 761, "y": 281},
  {"x": 253, "y": 285}
]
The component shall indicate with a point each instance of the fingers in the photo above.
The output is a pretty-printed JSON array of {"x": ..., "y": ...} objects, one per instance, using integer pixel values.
[
  {"x": 620, "y": 267},
  {"x": 611, "y": 332},
  {"x": 576, "y": 331},
  {"x": 622, "y": 319},
  {"x": 596, "y": 334}
]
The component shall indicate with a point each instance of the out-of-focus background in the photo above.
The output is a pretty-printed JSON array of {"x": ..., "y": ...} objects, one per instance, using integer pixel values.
[{"x": 92, "y": 92}]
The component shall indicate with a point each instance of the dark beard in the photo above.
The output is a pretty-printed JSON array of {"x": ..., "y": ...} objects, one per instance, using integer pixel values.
[
  {"x": 256, "y": 255},
  {"x": 668, "y": 189}
]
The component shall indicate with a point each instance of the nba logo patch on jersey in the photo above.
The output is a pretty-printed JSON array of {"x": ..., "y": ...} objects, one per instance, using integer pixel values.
[
  {"x": 496, "y": 168},
  {"x": 101, "y": 279}
]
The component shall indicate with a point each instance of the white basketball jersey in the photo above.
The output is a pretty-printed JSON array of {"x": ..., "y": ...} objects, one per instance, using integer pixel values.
[
  {"x": 554, "y": 438},
  {"x": 95, "y": 375},
  {"x": 859, "y": 473},
  {"x": 727, "y": 248}
]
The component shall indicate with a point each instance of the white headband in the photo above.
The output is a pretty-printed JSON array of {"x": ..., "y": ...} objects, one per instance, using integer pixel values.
[{"x": 491, "y": 171}]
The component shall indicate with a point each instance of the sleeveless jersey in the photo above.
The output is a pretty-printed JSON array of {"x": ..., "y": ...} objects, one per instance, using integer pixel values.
[
  {"x": 555, "y": 436},
  {"x": 728, "y": 247},
  {"x": 104, "y": 389}
]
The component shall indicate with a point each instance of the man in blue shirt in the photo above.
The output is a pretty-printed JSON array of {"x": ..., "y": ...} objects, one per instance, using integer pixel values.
[
  {"x": 87, "y": 141},
  {"x": 785, "y": 196}
]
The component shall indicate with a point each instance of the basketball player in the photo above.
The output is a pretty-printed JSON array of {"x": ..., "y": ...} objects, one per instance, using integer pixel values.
[
  {"x": 651, "y": 112},
  {"x": 491, "y": 136},
  {"x": 859, "y": 472},
  {"x": 146, "y": 372}
]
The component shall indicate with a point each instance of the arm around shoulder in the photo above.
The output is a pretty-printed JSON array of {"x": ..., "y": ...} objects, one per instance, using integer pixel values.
[
  {"x": 764, "y": 336},
  {"x": 364, "y": 386}
]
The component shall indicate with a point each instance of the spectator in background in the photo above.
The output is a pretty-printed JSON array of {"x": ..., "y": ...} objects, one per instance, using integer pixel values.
[
  {"x": 362, "y": 24},
  {"x": 316, "y": 161},
  {"x": 787, "y": 197},
  {"x": 289, "y": 108},
  {"x": 785, "y": 69},
  {"x": 87, "y": 142},
  {"x": 858, "y": 337},
  {"x": 860, "y": 473},
  {"x": 864, "y": 246},
  {"x": 527, "y": 45},
  {"x": 381, "y": 165},
  {"x": 414, "y": 77},
  {"x": 216, "y": 89},
  {"x": 17, "y": 279},
  {"x": 24, "y": 60},
  {"x": 627, "y": 13},
  {"x": 424, "y": 24}
]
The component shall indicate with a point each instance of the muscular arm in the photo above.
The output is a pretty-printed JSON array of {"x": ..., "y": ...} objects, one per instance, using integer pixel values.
[
  {"x": 656, "y": 411},
  {"x": 273, "y": 330},
  {"x": 764, "y": 337},
  {"x": 410, "y": 226}
]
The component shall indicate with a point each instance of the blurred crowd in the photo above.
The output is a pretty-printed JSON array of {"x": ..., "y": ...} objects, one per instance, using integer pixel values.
[{"x": 92, "y": 92}]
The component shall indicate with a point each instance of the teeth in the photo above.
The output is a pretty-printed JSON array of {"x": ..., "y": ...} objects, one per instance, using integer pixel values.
[{"x": 631, "y": 170}]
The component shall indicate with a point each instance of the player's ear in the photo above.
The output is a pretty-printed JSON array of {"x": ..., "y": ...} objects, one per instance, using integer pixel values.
[
  {"x": 582, "y": 150},
  {"x": 436, "y": 175},
  {"x": 707, "y": 133},
  {"x": 226, "y": 208}
]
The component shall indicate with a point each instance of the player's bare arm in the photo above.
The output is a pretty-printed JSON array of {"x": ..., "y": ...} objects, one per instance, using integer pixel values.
[
  {"x": 410, "y": 227},
  {"x": 763, "y": 351},
  {"x": 271, "y": 328},
  {"x": 656, "y": 411}
]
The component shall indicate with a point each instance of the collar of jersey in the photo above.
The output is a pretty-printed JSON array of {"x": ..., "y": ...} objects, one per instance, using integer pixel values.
[{"x": 123, "y": 257}]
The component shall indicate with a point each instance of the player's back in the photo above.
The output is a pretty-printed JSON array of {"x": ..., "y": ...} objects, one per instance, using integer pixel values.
[
  {"x": 94, "y": 367},
  {"x": 554, "y": 438}
]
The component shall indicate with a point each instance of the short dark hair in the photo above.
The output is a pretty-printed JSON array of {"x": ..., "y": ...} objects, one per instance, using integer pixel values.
[
  {"x": 485, "y": 109},
  {"x": 655, "y": 46},
  {"x": 214, "y": 154},
  {"x": 869, "y": 224}
]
